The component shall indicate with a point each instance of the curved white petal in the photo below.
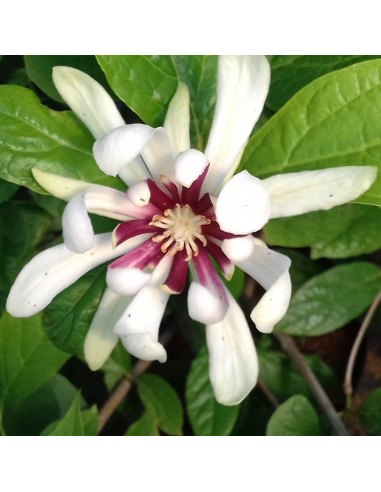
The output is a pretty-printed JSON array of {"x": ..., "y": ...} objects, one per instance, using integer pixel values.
[
  {"x": 77, "y": 230},
  {"x": 203, "y": 306},
  {"x": 59, "y": 186},
  {"x": 269, "y": 269},
  {"x": 53, "y": 270},
  {"x": 88, "y": 99},
  {"x": 189, "y": 166},
  {"x": 126, "y": 281},
  {"x": 238, "y": 248},
  {"x": 138, "y": 328},
  {"x": 158, "y": 156},
  {"x": 101, "y": 339},
  {"x": 134, "y": 172},
  {"x": 177, "y": 120},
  {"x": 139, "y": 194},
  {"x": 114, "y": 151},
  {"x": 308, "y": 191},
  {"x": 233, "y": 363},
  {"x": 242, "y": 86},
  {"x": 243, "y": 205}
]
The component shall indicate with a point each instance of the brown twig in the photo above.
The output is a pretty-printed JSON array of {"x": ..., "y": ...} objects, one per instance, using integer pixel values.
[
  {"x": 267, "y": 392},
  {"x": 291, "y": 349},
  {"x": 124, "y": 387},
  {"x": 347, "y": 386}
]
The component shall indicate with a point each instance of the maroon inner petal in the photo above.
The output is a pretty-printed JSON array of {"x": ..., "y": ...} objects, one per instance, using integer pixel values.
[
  {"x": 172, "y": 188},
  {"x": 191, "y": 195},
  {"x": 128, "y": 230},
  {"x": 214, "y": 230},
  {"x": 222, "y": 260},
  {"x": 205, "y": 207},
  {"x": 139, "y": 257},
  {"x": 158, "y": 198},
  {"x": 177, "y": 277}
]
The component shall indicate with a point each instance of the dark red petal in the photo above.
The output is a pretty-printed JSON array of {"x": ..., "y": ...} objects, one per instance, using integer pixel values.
[
  {"x": 190, "y": 196},
  {"x": 133, "y": 228},
  {"x": 222, "y": 260},
  {"x": 172, "y": 188},
  {"x": 214, "y": 230},
  {"x": 205, "y": 207},
  {"x": 158, "y": 198},
  {"x": 177, "y": 277},
  {"x": 139, "y": 257}
]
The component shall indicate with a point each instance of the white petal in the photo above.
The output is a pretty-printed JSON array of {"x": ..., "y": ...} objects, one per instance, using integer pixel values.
[
  {"x": 203, "y": 306},
  {"x": 139, "y": 194},
  {"x": 243, "y": 205},
  {"x": 308, "y": 191},
  {"x": 88, "y": 99},
  {"x": 233, "y": 363},
  {"x": 134, "y": 172},
  {"x": 138, "y": 328},
  {"x": 58, "y": 186},
  {"x": 189, "y": 166},
  {"x": 269, "y": 269},
  {"x": 126, "y": 281},
  {"x": 101, "y": 339},
  {"x": 120, "y": 147},
  {"x": 158, "y": 156},
  {"x": 53, "y": 270},
  {"x": 242, "y": 86},
  {"x": 177, "y": 120},
  {"x": 78, "y": 232},
  {"x": 239, "y": 248}
]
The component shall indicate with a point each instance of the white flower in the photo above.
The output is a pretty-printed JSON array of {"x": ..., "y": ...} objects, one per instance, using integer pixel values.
[{"x": 182, "y": 207}]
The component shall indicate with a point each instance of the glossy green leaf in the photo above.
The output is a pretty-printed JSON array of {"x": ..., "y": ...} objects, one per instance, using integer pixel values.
[
  {"x": 147, "y": 83},
  {"x": 7, "y": 190},
  {"x": 40, "y": 67},
  {"x": 90, "y": 420},
  {"x": 296, "y": 417},
  {"x": 208, "y": 418},
  {"x": 35, "y": 136},
  {"x": 146, "y": 426},
  {"x": 332, "y": 299},
  {"x": 28, "y": 358},
  {"x": 71, "y": 424},
  {"x": 370, "y": 413},
  {"x": 290, "y": 73},
  {"x": 22, "y": 229},
  {"x": 46, "y": 405},
  {"x": 330, "y": 123},
  {"x": 155, "y": 391},
  {"x": 68, "y": 317}
]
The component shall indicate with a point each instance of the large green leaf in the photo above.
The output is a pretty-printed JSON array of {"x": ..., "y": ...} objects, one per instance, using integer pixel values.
[
  {"x": 39, "y": 69},
  {"x": 343, "y": 232},
  {"x": 147, "y": 83},
  {"x": 34, "y": 136},
  {"x": 28, "y": 358},
  {"x": 296, "y": 417},
  {"x": 146, "y": 426},
  {"x": 208, "y": 418},
  {"x": 332, "y": 122},
  {"x": 370, "y": 413},
  {"x": 68, "y": 317},
  {"x": 290, "y": 73},
  {"x": 332, "y": 299},
  {"x": 22, "y": 228},
  {"x": 71, "y": 424},
  {"x": 153, "y": 390}
]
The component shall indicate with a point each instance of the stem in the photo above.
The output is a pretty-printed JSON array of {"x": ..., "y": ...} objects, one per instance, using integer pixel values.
[
  {"x": 348, "y": 388},
  {"x": 124, "y": 387},
  {"x": 267, "y": 392},
  {"x": 291, "y": 349}
]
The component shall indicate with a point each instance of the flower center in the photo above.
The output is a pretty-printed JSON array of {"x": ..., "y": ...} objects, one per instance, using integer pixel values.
[{"x": 181, "y": 228}]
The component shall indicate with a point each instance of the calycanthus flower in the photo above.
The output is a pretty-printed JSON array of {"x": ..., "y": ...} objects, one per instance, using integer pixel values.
[{"x": 182, "y": 207}]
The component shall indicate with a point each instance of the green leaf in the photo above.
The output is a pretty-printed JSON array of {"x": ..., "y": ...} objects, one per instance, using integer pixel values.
[
  {"x": 28, "y": 358},
  {"x": 296, "y": 417},
  {"x": 90, "y": 420},
  {"x": 153, "y": 390},
  {"x": 290, "y": 73},
  {"x": 332, "y": 299},
  {"x": 332, "y": 122},
  {"x": 116, "y": 366},
  {"x": 22, "y": 229},
  {"x": 147, "y": 83},
  {"x": 54, "y": 206},
  {"x": 40, "y": 68},
  {"x": 208, "y": 418},
  {"x": 68, "y": 317},
  {"x": 46, "y": 405},
  {"x": 7, "y": 190},
  {"x": 370, "y": 413},
  {"x": 71, "y": 424},
  {"x": 35, "y": 136},
  {"x": 146, "y": 425}
]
